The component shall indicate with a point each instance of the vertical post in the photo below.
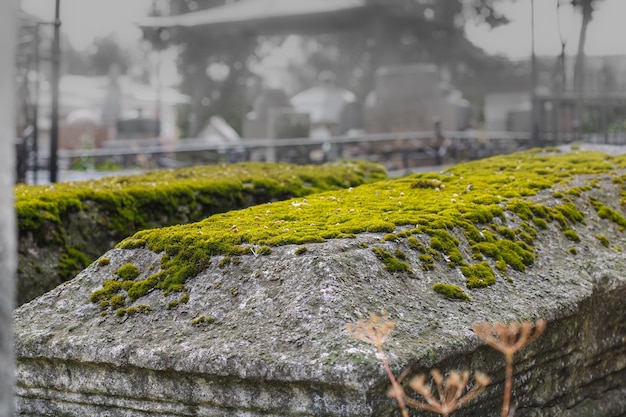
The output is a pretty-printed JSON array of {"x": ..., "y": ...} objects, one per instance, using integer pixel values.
[
  {"x": 533, "y": 83},
  {"x": 35, "y": 156},
  {"x": 8, "y": 19},
  {"x": 159, "y": 88},
  {"x": 54, "y": 126}
]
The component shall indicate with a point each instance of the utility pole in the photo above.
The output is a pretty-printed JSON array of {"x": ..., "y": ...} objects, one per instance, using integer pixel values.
[
  {"x": 8, "y": 235},
  {"x": 54, "y": 126}
]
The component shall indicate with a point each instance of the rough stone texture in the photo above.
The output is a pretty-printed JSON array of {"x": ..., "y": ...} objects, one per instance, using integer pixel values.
[
  {"x": 8, "y": 18},
  {"x": 278, "y": 345}
]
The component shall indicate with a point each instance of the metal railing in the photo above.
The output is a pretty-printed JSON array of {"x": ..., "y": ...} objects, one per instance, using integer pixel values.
[{"x": 398, "y": 152}]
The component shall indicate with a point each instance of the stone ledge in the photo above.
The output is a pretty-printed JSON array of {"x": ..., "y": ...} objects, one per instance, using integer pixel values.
[{"x": 279, "y": 320}]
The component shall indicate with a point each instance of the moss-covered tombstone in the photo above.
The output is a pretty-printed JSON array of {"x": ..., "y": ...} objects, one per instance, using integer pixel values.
[
  {"x": 478, "y": 219},
  {"x": 65, "y": 226}
]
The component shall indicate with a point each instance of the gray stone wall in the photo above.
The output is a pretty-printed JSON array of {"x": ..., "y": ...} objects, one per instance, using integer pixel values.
[{"x": 8, "y": 17}]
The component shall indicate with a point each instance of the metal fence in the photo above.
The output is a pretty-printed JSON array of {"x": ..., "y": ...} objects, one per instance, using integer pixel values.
[
  {"x": 398, "y": 152},
  {"x": 600, "y": 118}
]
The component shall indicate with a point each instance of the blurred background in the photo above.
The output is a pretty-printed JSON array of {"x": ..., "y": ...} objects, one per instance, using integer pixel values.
[{"x": 120, "y": 86}]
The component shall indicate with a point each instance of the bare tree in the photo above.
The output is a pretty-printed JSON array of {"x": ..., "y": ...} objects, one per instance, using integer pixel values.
[
  {"x": 8, "y": 19},
  {"x": 586, "y": 8}
]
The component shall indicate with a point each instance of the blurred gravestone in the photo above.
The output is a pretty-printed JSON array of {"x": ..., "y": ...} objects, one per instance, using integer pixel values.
[
  {"x": 8, "y": 17},
  {"x": 112, "y": 105},
  {"x": 410, "y": 97},
  {"x": 325, "y": 103},
  {"x": 500, "y": 106},
  {"x": 284, "y": 123},
  {"x": 255, "y": 124}
]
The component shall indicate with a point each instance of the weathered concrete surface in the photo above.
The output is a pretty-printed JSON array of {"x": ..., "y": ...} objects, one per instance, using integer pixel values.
[
  {"x": 278, "y": 345},
  {"x": 8, "y": 19}
]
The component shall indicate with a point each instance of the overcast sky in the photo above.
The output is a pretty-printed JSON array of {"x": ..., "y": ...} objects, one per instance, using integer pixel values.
[
  {"x": 83, "y": 20},
  {"x": 605, "y": 36}
]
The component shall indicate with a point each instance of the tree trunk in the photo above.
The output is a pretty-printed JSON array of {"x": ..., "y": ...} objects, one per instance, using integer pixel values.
[
  {"x": 579, "y": 68},
  {"x": 8, "y": 21}
]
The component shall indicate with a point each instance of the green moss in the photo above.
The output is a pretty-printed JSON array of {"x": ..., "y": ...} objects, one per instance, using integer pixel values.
[
  {"x": 540, "y": 223},
  {"x": 390, "y": 237},
  {"x": 603, "y": 240},
  {"x": 103, "y": 261},
  {"x": 443, "y": 241},
  {"x": 478, "y": 275},
  {"x": 522, "y": 209},
  {"x": 571, "y": 235},
  {"x": 120, "y": 206},
  {"x": 529, "y": 229},
  {"x": 71, "y": 262},
  {"x": 427, "y": 183},
  {"x": 526, "y": 238},
  {"x": 427, "y": 261},
  {"x": 482, "y": 214},
  {"x": 416, "y": 244},
  {"x": 571, "y": 212},
  {"x": 224, "y": 262},
  {"x": 450, "y": 291},
  {"x": 141, "y": 308},
  {"x": 506, "y": 232},
  {"x": 501, "y": 266},
  {"x": 182, "y": 300},
  {"x": 573, "y": 250},
  {"x": 392, "y": 264},
  {"x": 117, "y": 301},
  {"x": 399, "y": 254},
  {"x": 133, "y": 244},
  {"x": 515, "y": 254},
  {"x": 301, "y": 250},
  {"x": 500, "y": 194},
  {"x": 110, "y": 288},
  {"x": 608, "y": 213},
  {"x": 578, "y": 191},
  {"x": 203, "y": 320},
  {"x": 139, "y": 289},
  {"x": 128, "y": 272},
  {"x": 518, "y": 255},
  {"x": 264, "y": 250}
]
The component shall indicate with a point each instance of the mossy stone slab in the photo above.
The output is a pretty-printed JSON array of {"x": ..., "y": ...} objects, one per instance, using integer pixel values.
[{"x": 264, "y": 334}]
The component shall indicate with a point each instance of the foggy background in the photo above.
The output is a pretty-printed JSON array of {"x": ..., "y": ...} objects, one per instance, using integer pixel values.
[{"x": 143, "y": 82}]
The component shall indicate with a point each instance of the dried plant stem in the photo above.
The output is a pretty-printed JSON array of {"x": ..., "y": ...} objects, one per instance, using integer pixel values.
[
  {"x": 396, "y": 390},
  {"x": 508, "y": 384},
  {"x": 375, "y": 331},
  {"x": 509, "y": 339}
]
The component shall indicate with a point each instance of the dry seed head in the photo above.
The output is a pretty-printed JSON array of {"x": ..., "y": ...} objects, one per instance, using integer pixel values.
[
  {"x": 452, "y": 391},
  {"x": 374, "y": 331},
  {"x": 509, "y": 338}
]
